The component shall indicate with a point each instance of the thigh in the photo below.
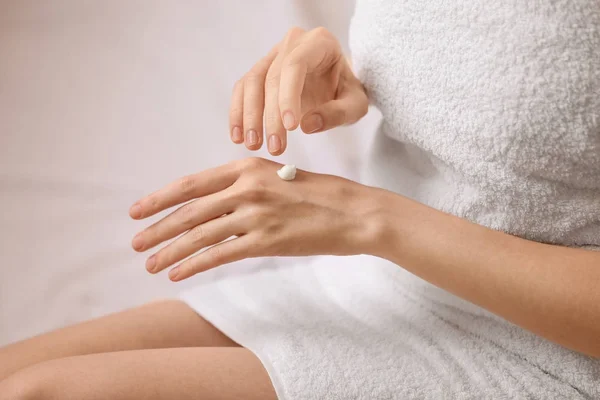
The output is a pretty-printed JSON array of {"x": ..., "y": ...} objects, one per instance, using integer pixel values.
[
  {"x": 161, "y": 324},
  {"x": 159, "y": 374}
]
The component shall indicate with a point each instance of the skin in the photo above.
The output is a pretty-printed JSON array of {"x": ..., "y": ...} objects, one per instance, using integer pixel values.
[
  {"x": 160, "y": 374},
  {"x": 242, "y": 210},
  {"x": 247, "y": 199},
  {"x": 161, "y": 324},
  {"x": 304, "y": 81},
  {"x": 162, "y": 350}
]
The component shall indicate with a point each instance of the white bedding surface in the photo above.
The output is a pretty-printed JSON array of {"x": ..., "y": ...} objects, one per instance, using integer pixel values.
[{"x": 102, "y": 102}]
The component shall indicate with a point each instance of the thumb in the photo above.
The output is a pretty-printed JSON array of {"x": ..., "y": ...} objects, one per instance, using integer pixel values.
[{"x": 345, "y": 110}]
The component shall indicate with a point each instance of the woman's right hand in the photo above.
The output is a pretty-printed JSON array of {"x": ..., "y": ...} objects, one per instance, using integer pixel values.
[{"x": 304, "y": 80}]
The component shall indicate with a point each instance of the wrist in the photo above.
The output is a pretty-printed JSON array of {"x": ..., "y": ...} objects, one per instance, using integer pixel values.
[{"x": 380, "y": 231}]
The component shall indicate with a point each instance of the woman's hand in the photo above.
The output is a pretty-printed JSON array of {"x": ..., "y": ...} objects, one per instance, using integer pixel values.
[
  {"x": 313, "y": 214},
  {"x": 305, "y": 80}
]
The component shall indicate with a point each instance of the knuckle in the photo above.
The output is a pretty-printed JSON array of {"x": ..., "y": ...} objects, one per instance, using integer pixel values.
[
  {"x": 294, "y": 31},
  {"x": 187, "y": 185},
  {"x": 256, "y": 216},
  {"x": 187, "y": 213},
  {"x": 292, "y": 61},
  {"x": 252, "y": 163},
  {"x": 264, "y": 220},
  {"x": 254, "y": 78},
  {"x": 215, "y": 255},
  {"x": 255, "y": 192},
  {"x": 321, "y": 32},
  {"x": 198, "y": 234},
  {"x": 273, "y": 79},
  {"x": 252, "y": 188},
  {"x": 237, "y": 191}
]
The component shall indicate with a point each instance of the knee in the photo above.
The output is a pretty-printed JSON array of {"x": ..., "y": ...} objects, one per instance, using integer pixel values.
[{"x": 33, "y": 383}]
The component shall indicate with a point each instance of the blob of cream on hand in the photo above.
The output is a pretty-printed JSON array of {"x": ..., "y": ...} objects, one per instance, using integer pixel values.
[{"x": 287, "y": 172}]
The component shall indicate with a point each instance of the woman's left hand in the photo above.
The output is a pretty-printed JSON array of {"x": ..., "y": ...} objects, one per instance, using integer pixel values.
[{"x": 266, "y": 216}]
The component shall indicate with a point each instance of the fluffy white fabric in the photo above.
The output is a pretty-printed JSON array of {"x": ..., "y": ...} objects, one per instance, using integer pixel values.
[{"x": 494, "y": 108}]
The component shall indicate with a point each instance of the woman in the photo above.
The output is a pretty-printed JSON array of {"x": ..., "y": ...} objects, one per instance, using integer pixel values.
[{"x": 473, "y": 275}]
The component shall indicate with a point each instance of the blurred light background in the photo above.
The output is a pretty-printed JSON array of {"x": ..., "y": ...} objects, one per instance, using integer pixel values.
[{"x": 102, "y": 102}]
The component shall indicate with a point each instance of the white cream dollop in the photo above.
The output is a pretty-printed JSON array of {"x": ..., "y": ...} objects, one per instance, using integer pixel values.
[{"x": 287, "y": 172}]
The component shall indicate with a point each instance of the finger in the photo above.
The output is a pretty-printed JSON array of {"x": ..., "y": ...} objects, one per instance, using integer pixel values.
[
  {"x": 220, "y": 254},
  {"x": 184, "y": 218},
  {"x": 254, "y": 102},
  {"x": 185, "y": 189},
  {"x": 293, "y": 76},
  {"x": 275, "y": 131},
  {"x": 196, "y": 239},
  {"x": 236, "y": 113},
  {"x": 291, "y": 110},
  {"x": 317, "y": 50},
  {"x": 344, "y": 110}
]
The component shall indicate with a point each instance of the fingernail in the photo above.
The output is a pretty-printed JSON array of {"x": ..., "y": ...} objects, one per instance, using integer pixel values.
[
  {"x": 288, "y": 120},
  {"x": 236, "y": 134},
  {"x": 151, "y": 263},
  {"x": 173, "y": 273},
  {"x": 274, "y": 144},
  {"x": 135, "y": 211},
  {"x": 313, "y": 123},
  {"x": 251, "y": 137},
  {"x": 138, "y": 242}
]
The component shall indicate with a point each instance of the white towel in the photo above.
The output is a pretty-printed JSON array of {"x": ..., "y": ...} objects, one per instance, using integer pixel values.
[
  {"x": 497, "y": 104},
  {"x": 491, "y": 112}
]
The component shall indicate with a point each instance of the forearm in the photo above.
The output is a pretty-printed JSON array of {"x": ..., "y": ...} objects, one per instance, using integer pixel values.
[{"x": 549, "y": 290}]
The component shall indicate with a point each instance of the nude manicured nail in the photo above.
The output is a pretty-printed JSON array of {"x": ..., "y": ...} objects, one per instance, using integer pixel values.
[
  {"x": 313, "y": 123},
  {"x": 288, "y": 120},
  {"x": 274, "y": 144},
  {"x": 236, "y": 134},
  {"x": 173, "y": 273},
  {"x": 251, "y": 137}
]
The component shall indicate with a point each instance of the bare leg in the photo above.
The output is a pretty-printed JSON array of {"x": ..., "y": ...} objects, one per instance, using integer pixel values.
[
  {"x": 215, "y": 373},
  {"x": 162, "y": 324}
]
